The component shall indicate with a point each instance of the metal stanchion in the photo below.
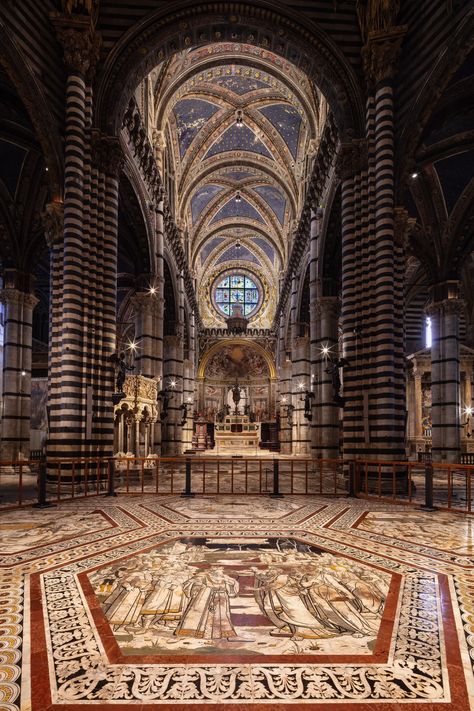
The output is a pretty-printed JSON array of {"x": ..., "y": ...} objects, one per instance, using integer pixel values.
[
  {"x": 276, "y": 481},
  {"x": 428, "y": 505},
  {"x": 111, "y": 480},
  {"x": 352, "y": 479},
  {"x": 187, "y": 493},
  {"x": 42, "y": 502}
]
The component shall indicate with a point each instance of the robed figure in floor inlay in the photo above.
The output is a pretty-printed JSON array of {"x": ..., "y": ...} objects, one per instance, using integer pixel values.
[{"x": 207, "y": 614}]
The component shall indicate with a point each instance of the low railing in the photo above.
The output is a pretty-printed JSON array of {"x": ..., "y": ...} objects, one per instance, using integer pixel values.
[
  {"x": 428, "y": 484},
  {"x": 446, "y": 486},
  {"x": 60, "y": 480}
]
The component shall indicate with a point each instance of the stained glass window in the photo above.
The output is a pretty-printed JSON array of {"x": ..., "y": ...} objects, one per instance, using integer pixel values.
[{"x": 236, "y": 289}]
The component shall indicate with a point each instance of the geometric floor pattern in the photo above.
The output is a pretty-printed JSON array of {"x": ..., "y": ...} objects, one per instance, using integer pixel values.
[{"x": 158, "y": 601}]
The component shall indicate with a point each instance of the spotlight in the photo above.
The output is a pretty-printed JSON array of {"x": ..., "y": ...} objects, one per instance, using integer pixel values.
[
  {"x": 414, "y": 175},
  {"x": 132, "y": 346},
  {"x": 238, "y": 198},
  {"x": 239, "y": 119}
]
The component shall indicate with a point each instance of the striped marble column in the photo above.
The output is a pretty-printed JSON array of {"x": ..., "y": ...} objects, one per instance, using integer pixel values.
[
  {"x": 327, "y": 313},
  {"x": 16, "y": 396},
  {"x": 301, "y": 378},
  {"x": 158, "y": 283},
  {"x": 353, "y": 429},
  {"x": 189, "y": 394},
  {"x": 53, "y": 224},
  {"x": 71, "y": 412},
  {"x": 445, "y": 379},
  {"x": 172, "y": 380},
  {"x": 103, "y": 423},
  {"x": 149, "y": 357},
  {"x": 315, "y": 223},
  {"x": 385, "y": 405},
  {"x": 285, "y": 399}
]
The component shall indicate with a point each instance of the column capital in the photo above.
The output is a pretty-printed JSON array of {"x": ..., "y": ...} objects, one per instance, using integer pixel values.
[
  {"x": 328, "y": 306},
  {"x": 18, "y": 298},
  {"x": 107, "y": 153},
  {"x": 352, "y": 158},
  {"x": 403, "y": 226},
  {"x": 52, "y": 219},
  {"x": 80, "y": 42},
  {"x": 380, "y": 54},
  {"x": 445, "y": 307},
  {"x": 144, "y": 301}
]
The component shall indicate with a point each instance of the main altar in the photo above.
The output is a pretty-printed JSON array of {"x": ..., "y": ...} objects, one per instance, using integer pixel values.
[{"x": 236, "y": 432}]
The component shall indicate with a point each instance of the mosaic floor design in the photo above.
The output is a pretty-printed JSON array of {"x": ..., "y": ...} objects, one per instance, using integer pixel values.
[{"x": 138, "y": 602}]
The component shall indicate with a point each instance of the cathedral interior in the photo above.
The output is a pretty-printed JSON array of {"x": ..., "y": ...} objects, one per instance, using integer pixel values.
[{"x": 237, "y": 354}]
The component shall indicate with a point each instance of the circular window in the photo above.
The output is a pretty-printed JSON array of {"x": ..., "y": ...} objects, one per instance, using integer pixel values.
[{"x": 235, "y": 288}]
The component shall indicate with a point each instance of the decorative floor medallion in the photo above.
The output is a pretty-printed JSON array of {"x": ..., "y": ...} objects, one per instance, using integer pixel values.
[{"x": 158, "y": 601}]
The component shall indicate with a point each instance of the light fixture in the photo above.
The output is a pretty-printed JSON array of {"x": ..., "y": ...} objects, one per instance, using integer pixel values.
[
  {"x": 239, "y": 118},
  {"x": 132, "y": 346},
  {"x": 152, "y": 290},
  {"x": 23, "y": 372},
  {"x": 414, "y": 175},
  {"x": 189, "y": 399},
  {"x": 468, "y": 411},
  {"x": 238, "y": 197},
  {"x": 283, "y": 399},
  {"x": 300, "y": 386},
  {"x": 172, "y": 383}
]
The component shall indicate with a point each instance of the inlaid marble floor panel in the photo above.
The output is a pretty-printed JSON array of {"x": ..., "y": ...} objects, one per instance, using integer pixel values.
[{"x": 139, "y": 602}]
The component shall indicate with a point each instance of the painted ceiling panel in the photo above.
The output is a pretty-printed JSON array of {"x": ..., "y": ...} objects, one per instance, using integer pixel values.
[
  {"x": 238, "y": 252},
  {"x": 274, "y": 198},
  {"x": 238, "y": 175},
  {"x": 287, "y": 121},
  {"x": 266, "y": 247},
  {"x": 201, "y": 198},
  {"x": 191, "y": 115},
  {"x": 209, "y": 246},
  {"x": 240, "y": 84},
  {"x": 232, "y": 209},
  {"x": 237, "y": 138}
]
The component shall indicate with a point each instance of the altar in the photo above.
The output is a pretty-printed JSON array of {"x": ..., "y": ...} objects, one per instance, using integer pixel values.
[{"x": 236, "y": 433}]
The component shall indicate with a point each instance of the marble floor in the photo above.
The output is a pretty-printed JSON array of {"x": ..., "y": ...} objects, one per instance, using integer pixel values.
[{"x": 136, "y": 602}]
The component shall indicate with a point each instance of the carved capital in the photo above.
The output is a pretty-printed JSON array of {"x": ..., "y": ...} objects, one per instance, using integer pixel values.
[
  {"x": 328, "y": 307},
  {"x": 52, "y": 219},
  {"x": 15, "y": 297},
  {"x": 107, "y": 154},
  {"x": 447, "y": 307},
  {"x": 380, "y": 54},
  {"x": 352, "y": 158},
  {"x": 403, "y": 226},
  {"x": 81, "y": 43},
  {"x": 143, "y": 301}
]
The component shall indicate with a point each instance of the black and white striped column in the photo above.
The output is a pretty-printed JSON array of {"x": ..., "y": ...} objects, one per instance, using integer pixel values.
[
  {"x": 327, "y": 313},
  {"x": 445, "y": 379},
  {"x": 159, "y": 284},
  {"x": 285, "y": 400},
  {"x": 16, "y": 392},
  {"x": 315, "y": 223}
]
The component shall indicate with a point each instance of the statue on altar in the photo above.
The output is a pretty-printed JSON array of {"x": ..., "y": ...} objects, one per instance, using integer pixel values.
[{"x": 237, "y": 399}]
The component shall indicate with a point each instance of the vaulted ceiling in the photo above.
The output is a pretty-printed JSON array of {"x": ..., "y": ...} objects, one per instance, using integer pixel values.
[{"x": 237, "y": 127}]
